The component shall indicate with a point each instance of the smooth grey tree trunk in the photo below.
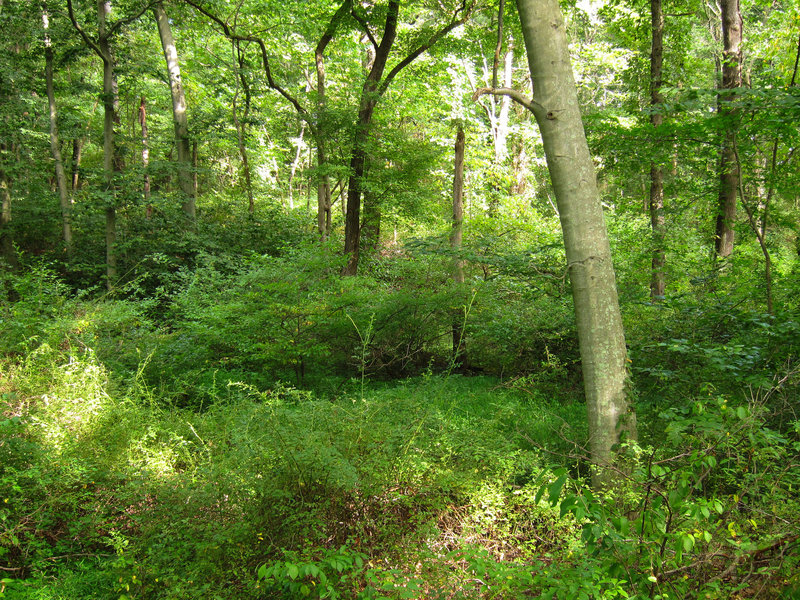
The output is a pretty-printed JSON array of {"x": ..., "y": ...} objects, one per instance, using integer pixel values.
[
  {"x": 55, "y": 146},
  {"x": 179, "y": 116},
  {"x": 591, "y": 272}
]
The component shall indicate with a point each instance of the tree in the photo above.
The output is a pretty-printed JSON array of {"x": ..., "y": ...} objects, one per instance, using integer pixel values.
[
  {"x": 728, "y": 168},
  {"x": 6, "y": 240},
  {"x": 55, "y": 145},
  {"x": 374, "y": 87},
  {"x": 179, "y": 115},
  {"x": 657, "y": 224},
  {"x": 314, "y": 119},
  {"x": 457, "y": 231},
  {"x": 599, "y": 323}
]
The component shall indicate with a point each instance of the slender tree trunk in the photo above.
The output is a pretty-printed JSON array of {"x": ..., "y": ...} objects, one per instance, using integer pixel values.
[
  {"x": 241, "y": 126},
  {"x": 371, "y": 221},
  {"x": 77, "y": 150},
  {"x": 456, "y": 235},
  {"x": 728, "y": 169},
  {"x": 6, "y": 239},
  {"x": 594, "y": 292},
  {"x": 323, "y": 191},
  {"x": 251, "y": 206},
  {"x": 111, "y": 162},
  {"x": 657, "y": 221},
  {"x": 323, "y": 181},
  {"x": 179, "y": 115},
  {"x": 55, "y": 146},
  {"x": 296, "y": 163},
  {"x": 195, "y": 164},
  {"x": 145, "y": 158}
]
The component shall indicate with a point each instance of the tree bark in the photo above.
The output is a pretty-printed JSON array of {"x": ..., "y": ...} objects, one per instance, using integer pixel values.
[
  {"x": 323, "y": 180},
  {"x": 77, "y": 150},
  {"x": 179, "y": 115},
  {"x": 599, "y": 324},
  {"x": 369, "y": 98},
  {"x": 728, "y": 169},
  {"x": 298, "y": 156},
  {"x": 241, "y": 126},
  {"x": 456, "y": 235},
  {"x": 6, "y": 239},
  {"x": 111, "y": 161},
  {"x": 55, "y": 146},
  {"x": 145, "y": 158},
  {"x": 657, "y": 222}
]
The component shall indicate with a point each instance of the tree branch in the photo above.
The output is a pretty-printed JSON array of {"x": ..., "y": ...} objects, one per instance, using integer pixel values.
[
  {"x": 363, "y": 22},
  {"x": 89, "y": 41},
  {"x": 466, "y": 12},
  {"x": 517, "y": 96},
  {"x": 113, "y": 29},
  {"x": 499, "y": 47},
  {"x": 230, "y": 34}
]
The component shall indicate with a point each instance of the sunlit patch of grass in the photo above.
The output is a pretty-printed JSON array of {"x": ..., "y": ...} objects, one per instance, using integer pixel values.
[{"x": 418, "y": 468}]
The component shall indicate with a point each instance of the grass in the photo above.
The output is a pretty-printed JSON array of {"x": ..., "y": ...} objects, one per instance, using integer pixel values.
[
  {"x": 436, "y": 486},
  {"x": 109, "y": 493}
]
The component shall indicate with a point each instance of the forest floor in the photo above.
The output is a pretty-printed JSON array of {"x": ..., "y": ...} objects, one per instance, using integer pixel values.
[{"x": 440, "y": 486}]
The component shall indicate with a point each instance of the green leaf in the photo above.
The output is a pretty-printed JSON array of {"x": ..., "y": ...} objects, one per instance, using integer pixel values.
[
  {"x": 567, "y": 504},
  {"x": 554, "y": 489},
  {"x": 292, "y": 571}
]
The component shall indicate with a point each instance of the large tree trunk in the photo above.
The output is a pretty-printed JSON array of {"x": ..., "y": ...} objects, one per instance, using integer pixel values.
[
  {"x": 728, "y": 169},
  {"x": 594, "y": 292},
  {"x": 179, "y": 116},
  {"x": 657, "y": 223},
  {"x": 369, "y": 98},
  {"x": 55, "y": 147}
]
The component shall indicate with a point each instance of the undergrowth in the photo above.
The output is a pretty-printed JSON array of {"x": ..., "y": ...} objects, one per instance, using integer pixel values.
[{"x": 183, "y": 459}]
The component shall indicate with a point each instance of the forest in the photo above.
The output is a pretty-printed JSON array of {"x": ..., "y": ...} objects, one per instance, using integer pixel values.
[{"x": 399, "y": 299}]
